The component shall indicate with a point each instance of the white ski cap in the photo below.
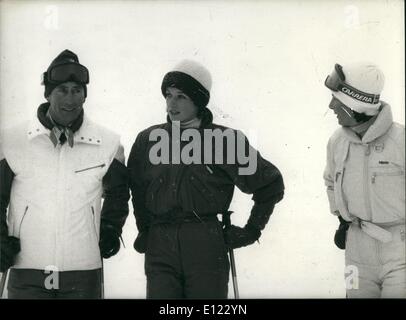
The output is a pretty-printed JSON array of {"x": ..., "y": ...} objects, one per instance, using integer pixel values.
[
  {"x": 366, "y": 77},
  {"x": 196, "y": 71}
]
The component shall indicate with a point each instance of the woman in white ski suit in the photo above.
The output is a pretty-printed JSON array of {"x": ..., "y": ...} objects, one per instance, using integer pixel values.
[{"x": 365, "y": 179}]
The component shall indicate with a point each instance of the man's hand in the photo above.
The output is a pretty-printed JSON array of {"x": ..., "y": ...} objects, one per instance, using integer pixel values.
[
  {"x": 236, "y": 237},
  {"x": 140, "y": 244},
  {"x": 9, "y": 247},
  {"x": 341, "y": 233},
  {"x": 109, "y": 243}
]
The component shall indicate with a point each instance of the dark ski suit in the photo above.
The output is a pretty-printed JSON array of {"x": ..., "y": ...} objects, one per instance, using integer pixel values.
[{"x": 176, "y": 208}]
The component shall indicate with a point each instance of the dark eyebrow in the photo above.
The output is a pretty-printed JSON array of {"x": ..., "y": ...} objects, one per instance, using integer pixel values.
[{"x": 178, "y": 92}]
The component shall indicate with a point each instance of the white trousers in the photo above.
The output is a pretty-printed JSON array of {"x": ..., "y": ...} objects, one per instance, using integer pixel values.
[{"x": 375, "y": 269}]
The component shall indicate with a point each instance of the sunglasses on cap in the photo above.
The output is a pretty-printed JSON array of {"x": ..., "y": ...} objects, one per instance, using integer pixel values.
[
  {"x": 336, "y": 82},
  {"x": 65, "y": 72}
]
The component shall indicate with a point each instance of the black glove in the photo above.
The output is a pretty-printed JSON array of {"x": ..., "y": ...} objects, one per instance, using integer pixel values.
[
  {"x": 9, "y": 247},
  {"x": 140, "y": 244},
  {"x": 236, "y": 237},
  {"x": 341, "y": 233},
  {"x": 109, "y": 243}
]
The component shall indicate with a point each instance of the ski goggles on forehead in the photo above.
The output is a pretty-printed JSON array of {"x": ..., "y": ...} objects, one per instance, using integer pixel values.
[
  {"x": 67, "y": 72},
  {"x": 336, "y": 82}
]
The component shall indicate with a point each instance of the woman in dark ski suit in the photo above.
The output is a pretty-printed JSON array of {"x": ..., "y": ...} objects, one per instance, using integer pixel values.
[{"x": 176, "y": 204}]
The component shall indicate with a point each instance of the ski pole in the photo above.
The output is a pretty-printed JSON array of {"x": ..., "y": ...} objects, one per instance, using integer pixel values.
[
  {"x": 102, "y": 280},
  {"x": 3, "y": 282},
  {"x": 234, "y": 273},
  {"x": 227, "y": 222}
]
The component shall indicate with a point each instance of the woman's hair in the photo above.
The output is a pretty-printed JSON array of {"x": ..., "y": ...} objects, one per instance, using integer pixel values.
[{"x": 205, "y": 115}]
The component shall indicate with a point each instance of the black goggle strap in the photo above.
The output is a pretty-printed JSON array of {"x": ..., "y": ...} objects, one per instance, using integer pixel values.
[{"x": 339, "y": 69}]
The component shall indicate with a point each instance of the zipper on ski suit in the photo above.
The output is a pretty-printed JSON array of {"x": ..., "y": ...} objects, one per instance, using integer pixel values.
[
  {"x": 366, "y": 183},
  {"x": 368, "y": 197}
]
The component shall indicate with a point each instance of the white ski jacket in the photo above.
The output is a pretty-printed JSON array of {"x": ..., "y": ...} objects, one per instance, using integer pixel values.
[
  {"x": 365, "y": 178},
  {"x": 55, "y": 199}
]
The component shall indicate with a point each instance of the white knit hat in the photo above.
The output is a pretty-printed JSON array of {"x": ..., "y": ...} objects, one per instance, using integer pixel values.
[
  {"x": 196, "y": 71},
  {"x": 365, "y": 77},
  {"x": 191, "y": 77}
]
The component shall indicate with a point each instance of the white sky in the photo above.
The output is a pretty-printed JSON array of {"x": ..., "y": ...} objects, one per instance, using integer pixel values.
[{"x": 268, "y": 59}]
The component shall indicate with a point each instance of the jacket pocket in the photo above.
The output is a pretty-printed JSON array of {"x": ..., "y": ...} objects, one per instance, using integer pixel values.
[
  {"x": 339, "y": 197},
  {"x": 85, "y": 182},
  {"x": 16, "y": 219},
  {"x": 92, "y": 167},
  {"x": 82, "y": 246},
  {"x": 89, "y": 173},
  {"x": 94, "y": 224},
  {"x": 376, "y": 175},
  {"x": 20, "y": 224},
  {"x": 388, "y": 194}
]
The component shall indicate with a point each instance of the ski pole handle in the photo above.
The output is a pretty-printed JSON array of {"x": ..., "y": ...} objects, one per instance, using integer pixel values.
[
  {"x": 227, "y": 218},
  {"x": 226, "y": 223},
  {"x": 3, "y": 282}
]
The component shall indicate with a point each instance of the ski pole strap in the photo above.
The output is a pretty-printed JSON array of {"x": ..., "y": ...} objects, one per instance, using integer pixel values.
[{"x": 226, "y": 219}]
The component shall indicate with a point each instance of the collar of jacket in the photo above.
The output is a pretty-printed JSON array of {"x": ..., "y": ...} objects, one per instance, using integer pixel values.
[
  {"x": 87, "y": 133},
  {"x": 381, "y": 125}
]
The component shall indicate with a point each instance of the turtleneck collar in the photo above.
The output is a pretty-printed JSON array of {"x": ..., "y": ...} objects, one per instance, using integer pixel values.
[
  {"x": 362, "y": 128},
  {"x": 193, "y": 123},
  {"x": 206, "y": 118},
  {"x": 383, "y": 122}
]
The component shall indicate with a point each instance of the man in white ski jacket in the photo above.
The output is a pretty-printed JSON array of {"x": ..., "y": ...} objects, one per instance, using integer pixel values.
[
  {"x": 55, "y": 171},
  {"x": 365, "y": 179}
]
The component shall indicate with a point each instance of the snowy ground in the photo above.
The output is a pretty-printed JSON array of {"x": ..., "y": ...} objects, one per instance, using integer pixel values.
[{"x": 269, "y": 60}]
